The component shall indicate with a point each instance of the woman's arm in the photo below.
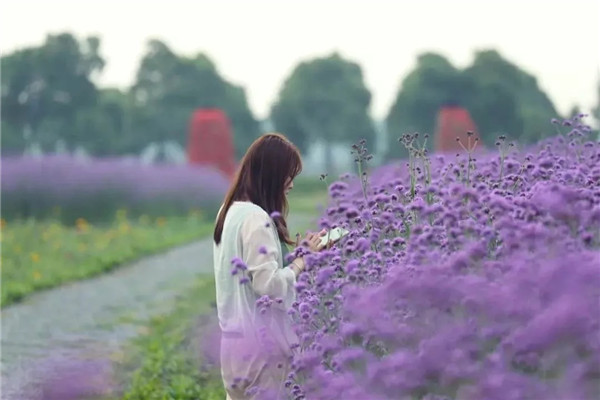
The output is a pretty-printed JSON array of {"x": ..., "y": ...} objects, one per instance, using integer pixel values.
[{"x": 261, "y": 255}]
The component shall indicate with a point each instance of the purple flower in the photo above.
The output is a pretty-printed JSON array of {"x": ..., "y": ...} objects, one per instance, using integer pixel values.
[
  {"x": 239, "y": 264},
  {"x": 94, "y": 189},
  {"x": 478, "y": 288},
  {"x": 324, "y": 274},
  {"x": 363, "y": 245}
]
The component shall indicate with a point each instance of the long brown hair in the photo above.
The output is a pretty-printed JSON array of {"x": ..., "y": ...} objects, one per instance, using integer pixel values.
[{"x": 265, "y": 169}]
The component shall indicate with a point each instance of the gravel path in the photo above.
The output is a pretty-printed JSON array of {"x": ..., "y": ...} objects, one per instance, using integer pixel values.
[{"x": 58, "y": 338}]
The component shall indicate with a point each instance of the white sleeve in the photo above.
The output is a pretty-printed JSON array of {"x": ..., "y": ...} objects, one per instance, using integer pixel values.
[{"x": 261, "y": 255}]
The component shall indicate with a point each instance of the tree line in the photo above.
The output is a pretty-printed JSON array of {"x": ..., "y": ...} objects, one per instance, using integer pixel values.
[{"x": 49, "y": 95}]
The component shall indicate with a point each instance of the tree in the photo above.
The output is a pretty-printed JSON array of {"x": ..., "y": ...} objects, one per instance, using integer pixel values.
[
  {"x": 45, "y": 87},
  {"x": 324, "y": 98},
  {"x": 575, "y": 111},
  {"x": 508, "y": 100},
  {"x": 432, "y": 84},
  {"x": 502, "y": 99},
  {"x": 106, "y": 125},
  {"x": 170, "y": 87}
]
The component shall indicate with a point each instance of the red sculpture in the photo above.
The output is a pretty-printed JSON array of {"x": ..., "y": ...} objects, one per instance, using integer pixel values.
[
  {"x": 454, "y": 122},
  {"x": 210, "y": 141}
]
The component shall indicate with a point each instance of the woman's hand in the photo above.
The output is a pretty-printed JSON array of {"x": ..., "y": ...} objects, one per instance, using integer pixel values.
[{"x": 313, "y": 240}]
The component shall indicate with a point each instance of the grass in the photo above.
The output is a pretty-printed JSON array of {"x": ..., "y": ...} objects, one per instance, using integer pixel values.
[
  {"x": 163, "y": 364},
  {"x": 307, "y": 203},
  {"x": 307, "y": 196},
  {"x": 39, "y": 255},
  {"x": 309, "y": 184}
]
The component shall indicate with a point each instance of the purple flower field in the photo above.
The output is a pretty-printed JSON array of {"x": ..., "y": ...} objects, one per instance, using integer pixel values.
[
  {"x": 462, "y": 278},
  {"x": 96, "y": 189}
]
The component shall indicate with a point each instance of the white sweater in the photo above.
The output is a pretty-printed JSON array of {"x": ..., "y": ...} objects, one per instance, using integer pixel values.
[{"x": 250, "y": 234}]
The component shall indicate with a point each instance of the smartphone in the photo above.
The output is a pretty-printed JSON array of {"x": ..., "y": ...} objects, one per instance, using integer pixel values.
[{"x": 333, "y": 235}]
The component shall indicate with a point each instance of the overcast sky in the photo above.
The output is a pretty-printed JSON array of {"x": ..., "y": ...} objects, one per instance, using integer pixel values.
[{"x": 256, "y": 43}]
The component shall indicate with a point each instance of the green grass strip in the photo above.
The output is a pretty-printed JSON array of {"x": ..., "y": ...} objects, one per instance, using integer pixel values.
[{"x": 40, "y": 255}]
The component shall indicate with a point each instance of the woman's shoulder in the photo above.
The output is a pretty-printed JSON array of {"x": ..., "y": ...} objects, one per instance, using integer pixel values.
[{"x": 249, "y": 211}]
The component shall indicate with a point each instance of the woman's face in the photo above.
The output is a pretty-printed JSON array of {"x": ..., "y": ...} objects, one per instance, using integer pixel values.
[{"x": 289, "y": 185}]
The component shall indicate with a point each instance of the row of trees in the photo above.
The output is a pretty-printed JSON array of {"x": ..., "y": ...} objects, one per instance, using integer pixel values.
[
  {"x": 48, "y": 94},
  {"x": 501, "y": 98}
]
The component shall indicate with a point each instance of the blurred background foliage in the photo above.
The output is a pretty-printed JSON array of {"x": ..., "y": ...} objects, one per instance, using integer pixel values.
[{"x": 51, "y": 102}]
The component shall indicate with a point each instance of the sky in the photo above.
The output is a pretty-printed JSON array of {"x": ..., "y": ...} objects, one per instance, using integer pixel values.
[{"x": 257, "y": 43}]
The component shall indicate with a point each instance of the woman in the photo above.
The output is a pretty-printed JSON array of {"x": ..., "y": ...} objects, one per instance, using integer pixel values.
[{"x": 249, "y": 259}]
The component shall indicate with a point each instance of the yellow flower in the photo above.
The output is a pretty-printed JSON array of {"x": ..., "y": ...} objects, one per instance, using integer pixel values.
[
  {"x": 2, "y": 223},
  {"x": 82, "y": 225},
  {"x": 36, "y": 275},
  {"x": 161, "y": 221},
  {"x": 35, "y": 257}
]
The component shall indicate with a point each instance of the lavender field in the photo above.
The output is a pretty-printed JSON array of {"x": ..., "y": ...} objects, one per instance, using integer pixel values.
[
  {"x": 464, "y": 277},
  {"x": 68, "y": 189}
]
